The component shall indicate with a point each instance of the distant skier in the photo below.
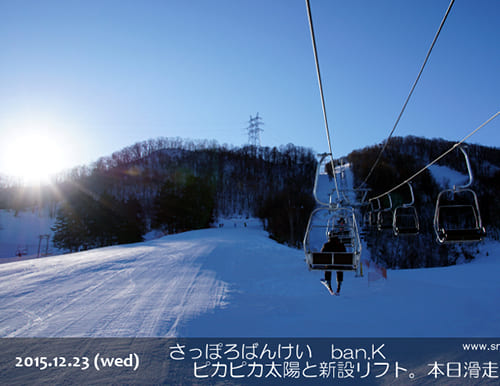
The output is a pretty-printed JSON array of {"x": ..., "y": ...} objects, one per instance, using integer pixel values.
[{"x": 333, "y": 245}]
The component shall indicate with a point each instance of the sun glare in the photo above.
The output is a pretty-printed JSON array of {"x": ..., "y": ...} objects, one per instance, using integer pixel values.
[{"x": 34, "y": 158}]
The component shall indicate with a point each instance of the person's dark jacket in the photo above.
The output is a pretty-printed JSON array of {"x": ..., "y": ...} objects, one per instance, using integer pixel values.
[{"x": 333, "y": 245}]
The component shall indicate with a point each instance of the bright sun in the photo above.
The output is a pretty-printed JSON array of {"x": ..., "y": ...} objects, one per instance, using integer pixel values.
[{"x": 34, "y": 158}]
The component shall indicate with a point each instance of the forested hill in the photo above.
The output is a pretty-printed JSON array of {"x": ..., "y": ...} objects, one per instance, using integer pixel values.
[
  {"x": 402, "y": 158},
  {"x": 175, "y": 185}
]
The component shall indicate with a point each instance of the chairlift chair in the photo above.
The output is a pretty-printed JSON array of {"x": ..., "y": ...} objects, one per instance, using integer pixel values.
[
  {"x": 405, "y": 219},
  {"x": 385, "y": 217},
  {"x": 331, "y": 217},
  {"x": 340, "y": 194},
  {"x": 327, "y": 218},
  {"x": 457, "y": 218},
  {"x": 373, "y": 214},
  {"x": 324, "y": 197},
  {"x": 458, "y": 222},
  {"x": 367, "y": 220},
  {"x": 324, "y": 221}
]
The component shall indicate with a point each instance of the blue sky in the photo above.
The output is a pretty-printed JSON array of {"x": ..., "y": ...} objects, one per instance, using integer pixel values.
[{"x": 96, "y": 76}]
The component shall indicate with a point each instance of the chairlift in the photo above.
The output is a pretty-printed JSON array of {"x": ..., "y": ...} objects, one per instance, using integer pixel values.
[
  {"x": 341, "y": 222},
  {"x": 331, "y": 218},
  {"x": 367, "y": 219},
  {"x": 457, "y": 218},
  {"x": 367, "y": 214},
  {"x": 323, "y": 194},
  {"x": 385, "y": 216},
  {"x": 405, "y": 219},
  {"x": 372, "y": 214}
]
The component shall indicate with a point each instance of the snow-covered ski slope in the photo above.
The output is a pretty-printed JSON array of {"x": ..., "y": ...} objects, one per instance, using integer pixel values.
[{"x": 236, "y": 282}]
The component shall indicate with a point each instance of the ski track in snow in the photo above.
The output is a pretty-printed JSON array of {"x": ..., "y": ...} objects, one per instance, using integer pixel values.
[
  {"x": 118, "y": 291},
  {"x": 234, "y": 282}
]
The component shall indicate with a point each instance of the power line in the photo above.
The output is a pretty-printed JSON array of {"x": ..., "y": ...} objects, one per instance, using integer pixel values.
[
  {"x": 409, "y": 95},
  {"x": 316, "y": 59},
  {"x": 437, "y": 159}
]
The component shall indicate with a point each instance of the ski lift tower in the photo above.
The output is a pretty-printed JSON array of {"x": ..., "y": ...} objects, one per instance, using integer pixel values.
[{"x": 43, "y": 243}]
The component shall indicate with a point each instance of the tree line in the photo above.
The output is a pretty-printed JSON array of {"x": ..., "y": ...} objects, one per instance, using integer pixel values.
[{"x": 176, "y": 186}]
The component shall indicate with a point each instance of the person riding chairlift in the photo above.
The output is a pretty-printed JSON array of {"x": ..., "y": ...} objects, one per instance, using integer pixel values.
[{"x": 333, "y": 245}]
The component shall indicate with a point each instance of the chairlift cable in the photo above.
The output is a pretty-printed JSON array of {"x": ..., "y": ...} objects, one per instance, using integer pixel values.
[
  {"x": 316, "y": 59},
  {"x": 409, "y": 96},
  {"x": 438, "y": 158}
]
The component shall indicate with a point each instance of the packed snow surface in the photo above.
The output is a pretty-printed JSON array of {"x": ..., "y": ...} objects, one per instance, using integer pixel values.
[
  {"x": 447, "y": 177},
  {"x": 234, "y": 281}
]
